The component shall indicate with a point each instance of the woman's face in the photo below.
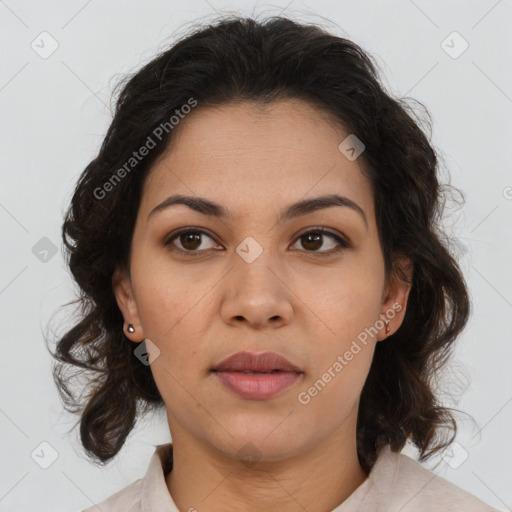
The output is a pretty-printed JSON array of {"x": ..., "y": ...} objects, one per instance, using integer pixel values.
[{"x": 255, "y": 281}]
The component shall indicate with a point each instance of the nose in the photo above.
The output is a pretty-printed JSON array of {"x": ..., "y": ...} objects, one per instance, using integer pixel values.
[{"x": 255, "y": 294}]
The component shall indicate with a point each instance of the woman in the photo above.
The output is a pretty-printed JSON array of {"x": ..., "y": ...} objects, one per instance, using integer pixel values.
[{"x": 258, "y": 249}]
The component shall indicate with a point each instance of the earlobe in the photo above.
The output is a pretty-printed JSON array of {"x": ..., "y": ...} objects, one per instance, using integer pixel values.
[{"x": 122, "y": 288}]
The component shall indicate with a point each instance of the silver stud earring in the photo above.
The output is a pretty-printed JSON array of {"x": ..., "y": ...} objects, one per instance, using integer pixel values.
[{"x": 131, "y": 329}]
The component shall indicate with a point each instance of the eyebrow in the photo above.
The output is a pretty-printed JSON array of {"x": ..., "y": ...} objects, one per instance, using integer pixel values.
[{"x": 292, "y": 211}]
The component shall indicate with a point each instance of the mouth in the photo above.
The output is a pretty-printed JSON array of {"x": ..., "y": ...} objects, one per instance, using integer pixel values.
[{"x": 257, "y": 376}]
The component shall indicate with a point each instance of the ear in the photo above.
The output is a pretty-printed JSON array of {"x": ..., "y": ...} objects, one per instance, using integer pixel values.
[
  {"x": 395, "y": 296},
  {"x": 122, "y": 288}
]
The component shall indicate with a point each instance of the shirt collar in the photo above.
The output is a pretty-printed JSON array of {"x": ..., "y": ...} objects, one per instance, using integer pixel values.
[{"x": 155, "y": 496}]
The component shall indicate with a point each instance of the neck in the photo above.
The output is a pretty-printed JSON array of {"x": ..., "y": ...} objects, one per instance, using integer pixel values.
[{"x": 320, "y": 478}]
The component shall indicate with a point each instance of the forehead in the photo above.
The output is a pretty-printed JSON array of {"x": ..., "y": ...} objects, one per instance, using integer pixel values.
[{"x": 247, "y": 156}]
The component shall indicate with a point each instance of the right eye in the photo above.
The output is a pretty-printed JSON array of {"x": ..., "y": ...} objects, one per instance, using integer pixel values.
[{"x": 189, "y": 240}]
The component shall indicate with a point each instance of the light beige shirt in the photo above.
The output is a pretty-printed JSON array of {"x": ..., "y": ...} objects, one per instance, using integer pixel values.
[{"x": 395, "y": 483}]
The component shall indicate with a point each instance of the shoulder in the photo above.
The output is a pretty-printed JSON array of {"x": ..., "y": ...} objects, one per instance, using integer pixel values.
[
  {"x": 127, "y": 500},
  {"x": 404, "y": 484},
  {"x": 147, "y": 493}
]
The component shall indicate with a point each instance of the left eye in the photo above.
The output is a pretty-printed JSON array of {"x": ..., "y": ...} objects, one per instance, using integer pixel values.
[{"x": 312, "y": 240}]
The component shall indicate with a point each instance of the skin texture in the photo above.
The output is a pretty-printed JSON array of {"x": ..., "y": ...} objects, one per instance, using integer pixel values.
[{"x": 199, "y": 310}]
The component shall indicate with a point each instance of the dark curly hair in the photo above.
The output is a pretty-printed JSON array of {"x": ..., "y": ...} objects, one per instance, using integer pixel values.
[{"x": 242, "y": 59}]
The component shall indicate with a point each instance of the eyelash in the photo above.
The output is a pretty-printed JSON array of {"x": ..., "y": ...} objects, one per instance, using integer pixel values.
[{"x": 343, "y": 243}]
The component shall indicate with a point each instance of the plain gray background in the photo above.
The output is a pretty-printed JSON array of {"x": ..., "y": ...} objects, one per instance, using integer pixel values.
[{"x": 54, "y": 114}]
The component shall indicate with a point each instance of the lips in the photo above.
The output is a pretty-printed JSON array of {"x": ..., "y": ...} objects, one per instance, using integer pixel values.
[
  {"x": 266, "y": 362},
  {"x": 257, "y": 376}
]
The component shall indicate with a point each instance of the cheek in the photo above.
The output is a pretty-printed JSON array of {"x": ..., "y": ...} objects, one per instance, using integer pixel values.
[
  {"x": 345, "y": 340},
  {"x": 347, "y": 304},
  {"x": 165, "y": 293}
]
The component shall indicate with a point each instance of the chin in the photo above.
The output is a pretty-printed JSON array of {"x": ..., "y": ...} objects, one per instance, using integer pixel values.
[{"x": 264, "y": 445}]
